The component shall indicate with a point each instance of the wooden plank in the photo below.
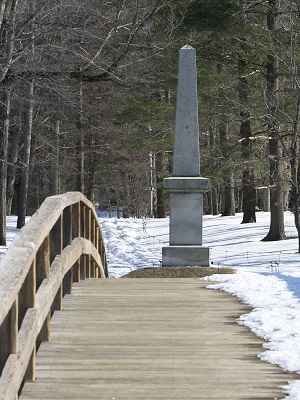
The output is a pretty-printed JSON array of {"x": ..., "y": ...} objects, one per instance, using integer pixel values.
[{"x": 152, "y": 339}]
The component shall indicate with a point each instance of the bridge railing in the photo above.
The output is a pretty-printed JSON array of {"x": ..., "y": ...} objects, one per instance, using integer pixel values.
[{"x": 60, "y": 245}]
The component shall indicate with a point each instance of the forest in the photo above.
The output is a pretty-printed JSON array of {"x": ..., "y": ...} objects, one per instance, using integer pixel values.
[{"x": 88, "y": 99}]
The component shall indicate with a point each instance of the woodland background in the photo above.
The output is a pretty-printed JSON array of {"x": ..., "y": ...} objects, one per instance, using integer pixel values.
[{"x": 88, "y": 96}]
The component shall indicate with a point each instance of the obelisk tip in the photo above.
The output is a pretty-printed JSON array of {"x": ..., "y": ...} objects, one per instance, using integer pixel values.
[{"x": 187, "y": 47}]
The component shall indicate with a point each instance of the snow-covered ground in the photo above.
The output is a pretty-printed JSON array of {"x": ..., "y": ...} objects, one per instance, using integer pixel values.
[
  {"x": 11, "y": 223},
  {"x": 137, "y": 243},
  {"x": 268, "y": 275}
]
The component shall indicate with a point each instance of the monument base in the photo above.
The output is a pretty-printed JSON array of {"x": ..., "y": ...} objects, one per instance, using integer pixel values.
[{"x": 185, "y": 256}]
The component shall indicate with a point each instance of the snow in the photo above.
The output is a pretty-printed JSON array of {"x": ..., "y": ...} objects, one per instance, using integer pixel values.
[
  {"x": 11, "y": 231},
  {"x": 275, "y": 317},
  {"x": 267, "y": 278},
  {"x": 136, "y": 243}
]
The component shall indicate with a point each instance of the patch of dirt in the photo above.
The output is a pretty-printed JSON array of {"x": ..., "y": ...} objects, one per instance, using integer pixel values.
[{"x": 177, "y": 272}]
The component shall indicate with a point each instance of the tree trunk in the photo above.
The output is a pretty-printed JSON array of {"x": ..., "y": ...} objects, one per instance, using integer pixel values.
[
  {"x": 215, "y": 200},
  {"x": 248, "y": 180},
  {"x": 5, "y": 106},
  {"x": 295, "y": 171},
  {"x": 12, "y": 167},
  {"x": 24, "y": 176},
  {"x": 276, "y": 231},
  {"x": 229, "y": 198},
  {"x": 228, "y": 191},
  {"x": 160, "y": 194},
  {"x": 91, "y": 169},
  {"x": 82, "y": 141},
  {"x": 266, "y": 199},
  {"x": 209, "y": 203},
  {"x": 55, "y": 188},
  {"x": 249, "y": 197}
]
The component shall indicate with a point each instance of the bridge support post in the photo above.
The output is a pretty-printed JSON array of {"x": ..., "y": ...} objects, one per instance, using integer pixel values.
[{"x": 30, "y": 373}]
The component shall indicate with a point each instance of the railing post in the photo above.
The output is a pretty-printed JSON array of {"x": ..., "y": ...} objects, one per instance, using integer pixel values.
[
  {"x": 82, "y": 268},
  {"x": 9, "y": 335},
  {"x": 93, "y": 268},
  {"x": 88, "y": 216},
  {"x": 42, "y": 272},
  {"x": 14, "y": 328},
  {"x": 27, "y": 300},
  {"x": 56, "y": 239},
  {"x": 82, "y": 220},
  {"x": 67, "y": 226},
  {"x": 26, "y": 296},
  {"x": 57, "y": 303},
  {"x": 56, "y": 246},
  {"x": 76, "y": 271},
  {"x": 43, "y": 262},
  {"x": 30, "y": 373},
  {"x": 76, "y": 220},
  {"x": 83, "y": 231},
  {"x": 68, "y": 282},
  {"x": 93, "y": 238}
]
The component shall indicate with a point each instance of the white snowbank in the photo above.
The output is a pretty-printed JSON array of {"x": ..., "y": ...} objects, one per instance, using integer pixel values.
[{"x": 275, "y": 317}]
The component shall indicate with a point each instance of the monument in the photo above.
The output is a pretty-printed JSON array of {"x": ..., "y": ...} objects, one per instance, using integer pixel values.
[{"x": 186, "y": 186}]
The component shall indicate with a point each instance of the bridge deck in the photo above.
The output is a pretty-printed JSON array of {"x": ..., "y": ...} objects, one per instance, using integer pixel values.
[{"x": 151, "y": 339}]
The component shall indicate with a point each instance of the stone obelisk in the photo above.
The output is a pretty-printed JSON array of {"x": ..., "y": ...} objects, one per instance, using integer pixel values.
[{"x": 186, "y": 186}]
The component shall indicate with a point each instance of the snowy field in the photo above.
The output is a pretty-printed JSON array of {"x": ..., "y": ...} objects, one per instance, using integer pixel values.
[
  {"x": 137, "y": 243},
  {"x": 268, "y": 275}
]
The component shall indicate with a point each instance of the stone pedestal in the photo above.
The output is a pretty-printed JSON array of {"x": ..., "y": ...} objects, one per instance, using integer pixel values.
[
  {"x": 182, "y": 256},
  {"x": 186, "y": 209},
  {"x": 186, "y": 187}
]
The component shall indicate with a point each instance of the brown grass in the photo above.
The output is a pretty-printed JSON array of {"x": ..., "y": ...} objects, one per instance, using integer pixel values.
[{"x": 177, "y": 272}]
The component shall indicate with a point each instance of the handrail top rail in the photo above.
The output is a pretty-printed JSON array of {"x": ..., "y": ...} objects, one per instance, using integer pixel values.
[{"x": 20, "y": 255}]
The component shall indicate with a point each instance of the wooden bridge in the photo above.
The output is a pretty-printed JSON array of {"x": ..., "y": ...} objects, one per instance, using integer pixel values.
[{"x": 120, "y": 339}]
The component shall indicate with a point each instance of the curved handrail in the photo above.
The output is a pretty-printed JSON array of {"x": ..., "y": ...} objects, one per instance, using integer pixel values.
[{"x": 61, "y": 244}]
